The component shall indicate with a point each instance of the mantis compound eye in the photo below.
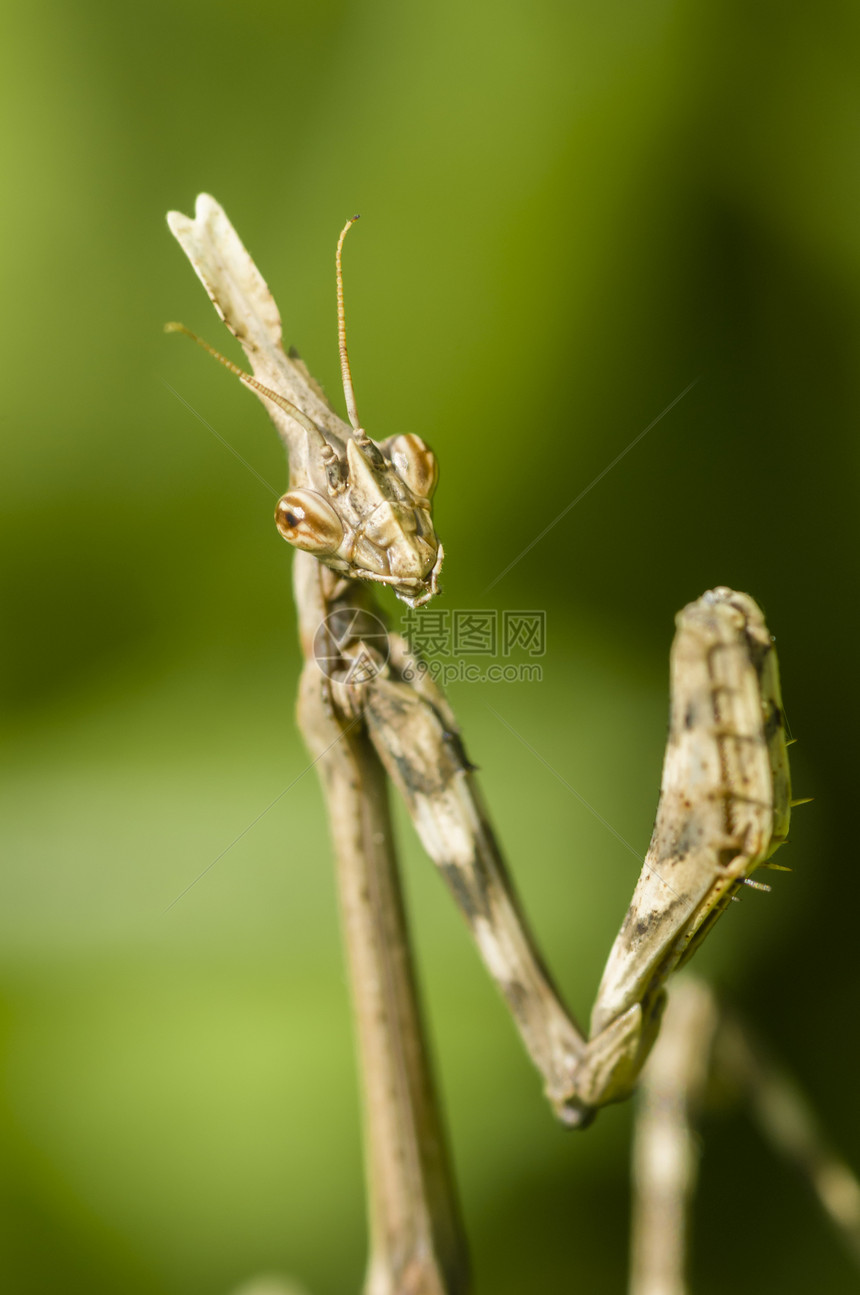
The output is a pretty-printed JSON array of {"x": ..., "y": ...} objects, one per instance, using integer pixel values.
[
  {"x": 414, "y": 464},
  {"x": 307, "y": 521}
]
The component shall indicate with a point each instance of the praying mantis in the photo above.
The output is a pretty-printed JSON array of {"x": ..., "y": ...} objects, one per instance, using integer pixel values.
[{"x": 358, "y": 513}]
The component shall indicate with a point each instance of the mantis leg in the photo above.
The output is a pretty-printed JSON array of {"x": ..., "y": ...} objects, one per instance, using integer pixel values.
[{"x": 416, "y": 740}]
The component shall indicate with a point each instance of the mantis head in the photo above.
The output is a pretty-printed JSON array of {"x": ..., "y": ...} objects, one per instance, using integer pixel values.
[{"x": 362, "y": 507}]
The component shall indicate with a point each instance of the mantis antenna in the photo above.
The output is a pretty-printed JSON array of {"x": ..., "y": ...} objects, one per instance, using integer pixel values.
[
  {"x": 349, "y": 393},
  {"x": 249, "y": 381}
]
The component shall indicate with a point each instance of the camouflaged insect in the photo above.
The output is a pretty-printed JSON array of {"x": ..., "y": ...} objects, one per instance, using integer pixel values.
[{"x": 363, "y": 509}]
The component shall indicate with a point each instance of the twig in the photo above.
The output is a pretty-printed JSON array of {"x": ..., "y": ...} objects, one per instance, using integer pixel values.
[
  {"x": 417, "y": 1244},
  {"x": 785, "y": 1117},
  {"x": 665, "y": 1152}
]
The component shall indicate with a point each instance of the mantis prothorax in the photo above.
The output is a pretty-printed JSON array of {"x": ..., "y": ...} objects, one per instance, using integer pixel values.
[{"x": 359, "y": 513}]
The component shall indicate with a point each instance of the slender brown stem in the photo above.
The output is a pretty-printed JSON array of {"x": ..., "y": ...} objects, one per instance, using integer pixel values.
[
  {"x": 417, "y": 1244},
  {"x": 786, "y": 1118},
  {"x": 665, "y": 1152}
]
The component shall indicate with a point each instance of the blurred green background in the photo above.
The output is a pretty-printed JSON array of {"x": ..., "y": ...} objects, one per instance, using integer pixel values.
[{"x": 570, "y": 212}]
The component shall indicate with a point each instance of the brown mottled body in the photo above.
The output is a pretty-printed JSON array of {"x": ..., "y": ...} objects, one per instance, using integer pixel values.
[
  {"x": 359, "y": 513},
  {"x": 408, "y": 719}
]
